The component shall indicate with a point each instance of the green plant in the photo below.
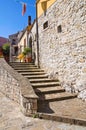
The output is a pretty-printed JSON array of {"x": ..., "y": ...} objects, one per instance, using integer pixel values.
[
  {"x": 35, "y": 115},
  {"x": 24, "y": 53},
  {"x": 26, "y": 50}
]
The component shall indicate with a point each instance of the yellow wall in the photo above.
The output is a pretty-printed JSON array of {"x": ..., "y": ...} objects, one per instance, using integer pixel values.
[{"x": 43, "y": 5}]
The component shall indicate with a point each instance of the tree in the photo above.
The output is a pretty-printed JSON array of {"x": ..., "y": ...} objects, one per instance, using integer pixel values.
[
  {"x": 27, "y": 54},
  {"x": 6, "y": 51}
]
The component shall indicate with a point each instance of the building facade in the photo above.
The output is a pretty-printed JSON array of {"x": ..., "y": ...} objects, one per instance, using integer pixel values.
[
  {"x": 23, "y": 41},
  {"x": 33, "y": 42},
  {"x": 13, "y": 46},
  {"x": 62, "y": 42}
]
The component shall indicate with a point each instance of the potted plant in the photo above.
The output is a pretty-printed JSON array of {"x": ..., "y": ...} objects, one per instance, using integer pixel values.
[{"x": 27, "y": 54}]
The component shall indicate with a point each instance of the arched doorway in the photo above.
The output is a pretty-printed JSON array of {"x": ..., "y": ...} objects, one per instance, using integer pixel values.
[{"x": 30, "y": 46}]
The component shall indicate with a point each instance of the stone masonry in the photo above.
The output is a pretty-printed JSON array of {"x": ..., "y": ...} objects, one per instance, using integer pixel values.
[
  {"x": 17, "y": 88},
  {"x": 62, "y": 45}
]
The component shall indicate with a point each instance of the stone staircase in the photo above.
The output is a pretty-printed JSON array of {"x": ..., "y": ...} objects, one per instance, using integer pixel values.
[
  {"x": 53, "y": 102},
  {"x": 48, "y": 90}
]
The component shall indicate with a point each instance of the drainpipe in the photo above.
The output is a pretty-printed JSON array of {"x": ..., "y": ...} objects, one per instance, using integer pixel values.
[{"x": 37, "y": 35}]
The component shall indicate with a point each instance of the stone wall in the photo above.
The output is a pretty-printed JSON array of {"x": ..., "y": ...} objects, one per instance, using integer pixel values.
[
  {"x": 17, "y": 88},
  {"x": 63, "y": 51}
]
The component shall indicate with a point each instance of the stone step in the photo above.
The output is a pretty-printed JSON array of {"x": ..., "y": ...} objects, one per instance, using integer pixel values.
[
  {"x": 45, "y": 84},
  {"x": 24, "y": 68},
  {"x": 33, "y": 73},
  {"x": 80, "y": 123},
  {"x": 35, "y": 76},
  {"x": 26, "y": 65},
  {"x": 49, "y": 90},
  {"x": 21, "y": 63},
  {"x": 31, "y": 70},
  {"x": 56, "y": 96},
  {"x": 41, "y": 80}
]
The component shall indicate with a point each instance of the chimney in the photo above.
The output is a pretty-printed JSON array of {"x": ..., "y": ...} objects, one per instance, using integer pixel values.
[{"x": 29, "y": 20}]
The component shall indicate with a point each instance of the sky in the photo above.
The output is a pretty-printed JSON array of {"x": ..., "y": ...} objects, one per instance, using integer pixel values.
[{"x": 11, "y": 19}]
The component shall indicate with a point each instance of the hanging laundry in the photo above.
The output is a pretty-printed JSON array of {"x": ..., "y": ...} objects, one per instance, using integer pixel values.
[{"x": 23, "y": 8}]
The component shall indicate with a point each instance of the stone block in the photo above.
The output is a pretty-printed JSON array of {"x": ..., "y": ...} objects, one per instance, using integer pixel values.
[
  {"x": 84, "y": 70},
  {"x": 81, "y": 60},
  {"x": 30, "y": 105}
]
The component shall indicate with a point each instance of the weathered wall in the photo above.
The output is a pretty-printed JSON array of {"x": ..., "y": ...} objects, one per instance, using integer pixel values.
[
  {"x": 17, "y": 88},
  {"x": 64, "y": 54}
]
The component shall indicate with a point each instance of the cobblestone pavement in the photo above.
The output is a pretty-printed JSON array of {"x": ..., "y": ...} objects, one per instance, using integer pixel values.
[{"x": 11, "y": 118}]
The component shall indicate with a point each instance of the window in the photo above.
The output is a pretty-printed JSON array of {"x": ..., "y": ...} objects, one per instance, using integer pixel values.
[
  {"x": 59, "y": 29},
  {"x": 45, "y": 25}
]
